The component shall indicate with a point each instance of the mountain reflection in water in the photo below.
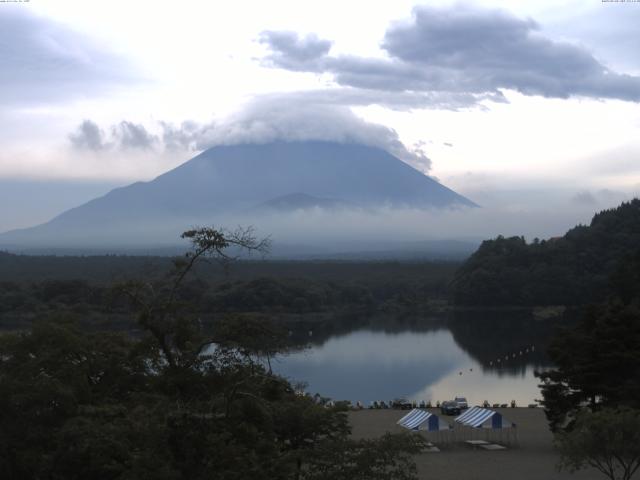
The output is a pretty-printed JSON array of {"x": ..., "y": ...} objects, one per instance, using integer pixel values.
[{"x": 426, "y": 362}]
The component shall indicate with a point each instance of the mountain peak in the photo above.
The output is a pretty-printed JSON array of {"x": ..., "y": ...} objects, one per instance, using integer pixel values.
[{"x": 233, "y": 179}]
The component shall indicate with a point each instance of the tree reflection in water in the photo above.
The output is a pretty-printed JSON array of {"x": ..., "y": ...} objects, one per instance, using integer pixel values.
[{"x": 431, "y": 358}]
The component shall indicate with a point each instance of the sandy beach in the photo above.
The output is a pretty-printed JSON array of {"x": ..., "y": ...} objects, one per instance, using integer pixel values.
[{"x": 533, "y": 457}]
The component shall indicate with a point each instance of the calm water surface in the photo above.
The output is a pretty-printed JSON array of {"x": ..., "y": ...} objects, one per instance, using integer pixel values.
[{"x": 369, "y": 365}]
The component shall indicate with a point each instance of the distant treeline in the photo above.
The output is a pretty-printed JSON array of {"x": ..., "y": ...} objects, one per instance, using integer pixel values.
[
  {"x": 33, "y": 287},
  {"x": 571, "y": 270},
  {"x": 111, "y": 268}
]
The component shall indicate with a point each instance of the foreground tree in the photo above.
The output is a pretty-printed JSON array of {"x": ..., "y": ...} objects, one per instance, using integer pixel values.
[
  {"x": 160, "y": 310},
  {"x": 607, "y": 440},
  {"x": 389, "y": 457},
  {"x": 597, "y": 362},
  {"x": 592, "y": 396},
  {"x": 180, "y": 401}
]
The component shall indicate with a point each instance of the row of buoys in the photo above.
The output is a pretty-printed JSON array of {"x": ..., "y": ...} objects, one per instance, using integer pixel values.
[
  {"x": 506, "y": 358},
  {"x": 512, "y": 356}
]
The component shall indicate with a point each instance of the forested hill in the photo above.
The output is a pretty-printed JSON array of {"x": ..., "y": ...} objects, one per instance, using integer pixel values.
[{"x": 571, "y": 270}]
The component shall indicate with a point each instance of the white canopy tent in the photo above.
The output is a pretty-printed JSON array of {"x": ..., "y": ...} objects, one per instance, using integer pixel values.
[
  {"x": 418, "y": 419},
  {"x": 489, "y": 421},
  {"x": 478, "y": 417},
  {"x": 428, "y": 423}
]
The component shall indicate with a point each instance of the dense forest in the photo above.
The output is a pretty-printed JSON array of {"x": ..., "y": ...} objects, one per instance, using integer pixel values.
[
  {"x": 33, "y": 287},
  {"x": 179, "y": 400},
  {"x": 569, "y": 270},
  {"x": 597, "y": 360}
]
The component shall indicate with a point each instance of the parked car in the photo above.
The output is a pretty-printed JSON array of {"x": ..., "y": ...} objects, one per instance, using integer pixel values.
[
  {"x": 462, "y": 402},
  {"x": 450, "y": 407},
  {"x": 402, "y": 404}
]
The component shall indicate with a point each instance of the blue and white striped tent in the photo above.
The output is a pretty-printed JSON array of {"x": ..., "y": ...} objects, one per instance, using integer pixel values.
[
  {"x": 418, "y": 419},
  {"x": 477, "y": 417}
]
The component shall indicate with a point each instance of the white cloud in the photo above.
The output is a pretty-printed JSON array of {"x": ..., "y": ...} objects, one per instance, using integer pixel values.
[{"x": 265, "y": 119}]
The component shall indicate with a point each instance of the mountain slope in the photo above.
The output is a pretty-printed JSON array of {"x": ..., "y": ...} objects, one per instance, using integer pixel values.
[
  {"x": 227, "y": 179},
  {"x": 301, "y": 201}
]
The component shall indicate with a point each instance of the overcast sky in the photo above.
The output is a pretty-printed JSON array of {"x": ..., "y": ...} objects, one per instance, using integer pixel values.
[{"x": 489, "y": 96}]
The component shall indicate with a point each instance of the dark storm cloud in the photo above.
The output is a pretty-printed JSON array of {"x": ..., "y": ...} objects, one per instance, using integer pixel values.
[
  {"x": 180, "y": 137},
  {"x": 465, "y": 51},
  {"x": 88, "y": 136},
  {"x": 132, "y": 135},
  {"x": 293, "y": 52},
  {"x": 44, "y": 62},
  {"x": 125, "y": 135},
  {"x": 490, "y": 49}
]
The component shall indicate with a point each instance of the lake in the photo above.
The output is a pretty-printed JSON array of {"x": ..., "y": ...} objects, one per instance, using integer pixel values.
[{"x": 480, "y": 361}]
